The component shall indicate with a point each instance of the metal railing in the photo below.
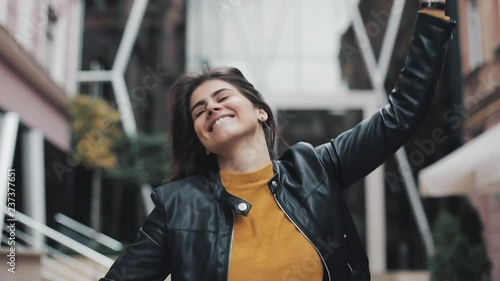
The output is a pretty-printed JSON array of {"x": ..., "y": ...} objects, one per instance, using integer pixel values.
[
  {"x": 76, "y": 262},
  {"x": 88, "y": 232}
]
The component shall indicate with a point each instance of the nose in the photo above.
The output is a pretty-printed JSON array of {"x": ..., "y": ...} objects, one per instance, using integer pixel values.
[{"x": 212, "y": 108}]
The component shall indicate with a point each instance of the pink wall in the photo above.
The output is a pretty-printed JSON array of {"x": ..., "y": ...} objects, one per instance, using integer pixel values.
[
  {"x": 69, "y": 13},
  {"x": 16, "y": 95}
]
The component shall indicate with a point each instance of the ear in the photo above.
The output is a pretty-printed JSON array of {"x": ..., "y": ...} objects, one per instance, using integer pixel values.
[{"x": 262, "y": 115}]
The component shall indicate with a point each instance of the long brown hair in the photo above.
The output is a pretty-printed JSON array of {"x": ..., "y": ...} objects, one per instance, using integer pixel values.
[{"x": 188, "y": 154}]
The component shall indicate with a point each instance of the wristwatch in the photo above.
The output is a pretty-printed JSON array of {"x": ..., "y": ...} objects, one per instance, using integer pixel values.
[{"x": 433, "y": 5}]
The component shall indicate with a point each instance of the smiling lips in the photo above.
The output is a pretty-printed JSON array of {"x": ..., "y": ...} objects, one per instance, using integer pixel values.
[{"x": 217, "y": 121}]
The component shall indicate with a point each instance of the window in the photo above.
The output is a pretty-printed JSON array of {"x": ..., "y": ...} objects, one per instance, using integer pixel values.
[
  {"x": 3, "y": 11},
  {"x": 474, "y": 30},
  {"x": 101, "y": 4},
  {"x": 26, "y": 26},
  {"x": 496, "y": 27},
  {"x": 50, "y": 37},
  {"x": 58, "y": 67}
]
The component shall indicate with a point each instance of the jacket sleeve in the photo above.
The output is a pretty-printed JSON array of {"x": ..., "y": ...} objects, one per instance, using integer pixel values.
[
  {"x": 147, "y": 258},
  {"x": 355, "y": 153}
]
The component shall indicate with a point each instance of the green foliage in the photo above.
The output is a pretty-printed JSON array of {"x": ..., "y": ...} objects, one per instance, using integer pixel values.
[
  {"x": 456, "y": 258},
  {"x": 96, "y": 126},
  {"x": 99, "y": 142},
  {"x": 144, "y": 159}
]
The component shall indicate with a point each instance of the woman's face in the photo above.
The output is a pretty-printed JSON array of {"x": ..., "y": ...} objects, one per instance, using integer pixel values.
[{"x": 222, "y": 115}]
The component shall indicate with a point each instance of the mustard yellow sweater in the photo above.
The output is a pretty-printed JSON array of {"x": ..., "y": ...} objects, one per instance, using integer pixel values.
[{"x": 266, "y": 245}]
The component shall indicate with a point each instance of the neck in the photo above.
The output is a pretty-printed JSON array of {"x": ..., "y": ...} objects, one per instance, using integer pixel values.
[{"x": 245, "y": 156}]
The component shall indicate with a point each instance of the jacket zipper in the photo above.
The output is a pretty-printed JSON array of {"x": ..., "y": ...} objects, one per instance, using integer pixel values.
[
  {"x": 350, "y": 268},
  {"x": 302, "y": 232},
  {"x": 230, "y": 247}
]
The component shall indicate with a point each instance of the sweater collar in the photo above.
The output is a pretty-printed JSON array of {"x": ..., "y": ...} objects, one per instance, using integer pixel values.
[
  {"x": 236, "y": 204},
  {"x": 235, "y": 180}
]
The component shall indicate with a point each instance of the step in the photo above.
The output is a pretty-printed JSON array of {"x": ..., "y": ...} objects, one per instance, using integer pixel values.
[
  {"x": 402, "y": 276},
  {"x": 27, "y": 265}
]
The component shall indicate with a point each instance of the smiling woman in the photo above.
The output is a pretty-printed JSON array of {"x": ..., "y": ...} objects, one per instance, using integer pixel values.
[
  {"x": 236, "y": 209},
  {"x": 197, "y": 102}
]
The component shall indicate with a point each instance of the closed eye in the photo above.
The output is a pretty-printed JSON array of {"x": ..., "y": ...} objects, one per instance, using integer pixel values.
[
  {"x": 223, "y": 98},
  {"x": 199, "y": 112}
]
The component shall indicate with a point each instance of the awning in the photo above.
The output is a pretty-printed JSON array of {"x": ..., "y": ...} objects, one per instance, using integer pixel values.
[{"x": 473, "y": 168}]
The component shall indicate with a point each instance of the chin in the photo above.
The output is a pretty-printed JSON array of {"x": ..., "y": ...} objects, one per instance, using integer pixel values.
[{"x": 224, "y": 138}]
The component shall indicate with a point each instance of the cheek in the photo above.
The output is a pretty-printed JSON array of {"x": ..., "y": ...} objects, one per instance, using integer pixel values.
[
  {"x": 246, "y": 109},
  {"x": 198, "y": 129}
]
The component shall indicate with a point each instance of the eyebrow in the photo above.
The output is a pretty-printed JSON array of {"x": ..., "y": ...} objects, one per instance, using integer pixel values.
[{"x": 214, "y": 94}]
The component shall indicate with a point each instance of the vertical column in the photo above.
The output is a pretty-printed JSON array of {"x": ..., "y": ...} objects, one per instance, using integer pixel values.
[
  {"x": 488, "y": 37},
  {"x": 9, "y": 124},
  {"x": 375, "y": 220},
  {"x": 375, "y": 216},
  {"x": 33, "y": 167}
]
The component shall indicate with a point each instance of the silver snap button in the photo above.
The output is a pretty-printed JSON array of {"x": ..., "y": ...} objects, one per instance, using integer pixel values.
[
  {"x": 274, "y": 183},
  {"x": 345, "y": 236},
  {"x": 242, "y": 207}
]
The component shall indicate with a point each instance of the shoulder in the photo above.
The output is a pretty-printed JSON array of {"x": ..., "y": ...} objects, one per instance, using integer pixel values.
[
  {"x": 184, "y": 189},
  {"x": 302, "y": 156},
  {"x": 189, "y": 204},
  {"x": 300, "y": 151},
  {"x": 301, "y": 146}
]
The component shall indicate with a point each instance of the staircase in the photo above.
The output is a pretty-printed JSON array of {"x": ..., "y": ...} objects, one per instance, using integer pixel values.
[{"x": 57, "y": 258}]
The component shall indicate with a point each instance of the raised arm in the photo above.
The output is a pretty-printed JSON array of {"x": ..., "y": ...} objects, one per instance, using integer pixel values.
[
  {"x": 358, "y": 151},
  {"x": 146, "y": 259}
]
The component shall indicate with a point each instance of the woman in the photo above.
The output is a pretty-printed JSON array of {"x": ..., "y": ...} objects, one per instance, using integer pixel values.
[{"x": 234, "y": 211}]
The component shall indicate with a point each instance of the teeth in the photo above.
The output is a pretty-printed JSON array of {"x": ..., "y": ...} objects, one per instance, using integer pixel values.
[{"x": 218, "y": 121}]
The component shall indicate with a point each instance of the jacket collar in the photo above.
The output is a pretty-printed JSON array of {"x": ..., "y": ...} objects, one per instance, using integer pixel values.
[{"x": 236, "y": 204}]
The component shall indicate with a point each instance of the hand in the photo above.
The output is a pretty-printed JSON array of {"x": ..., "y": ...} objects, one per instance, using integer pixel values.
[{"x": 434, "y": 11}]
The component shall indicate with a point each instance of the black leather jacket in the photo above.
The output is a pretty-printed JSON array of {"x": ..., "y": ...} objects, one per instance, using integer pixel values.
[{"x": 189, "y": 232}]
